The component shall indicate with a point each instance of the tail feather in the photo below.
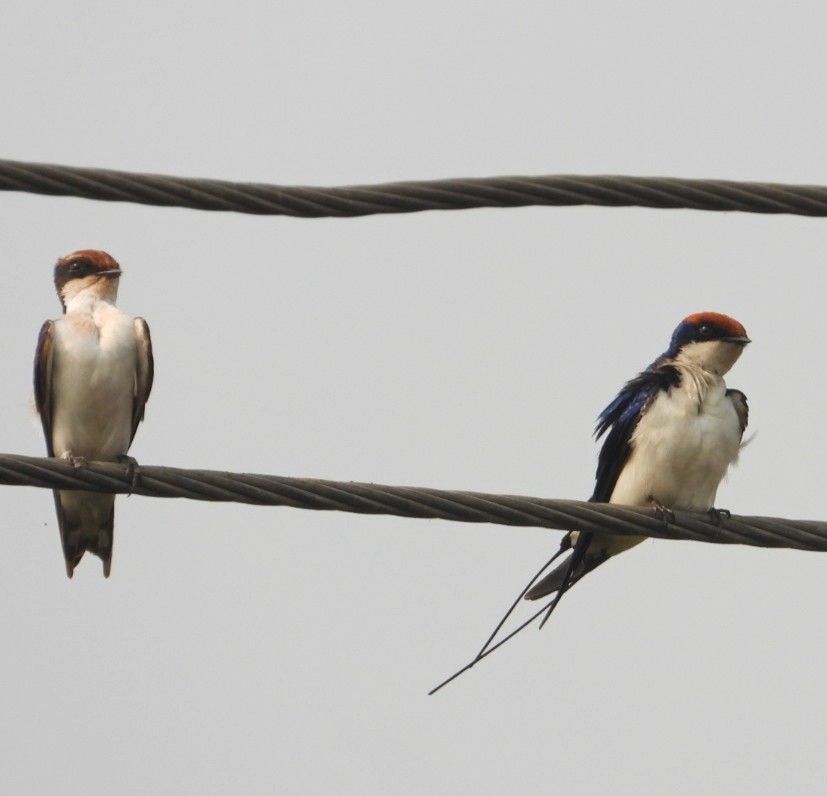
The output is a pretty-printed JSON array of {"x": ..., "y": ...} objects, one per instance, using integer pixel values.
[
  {"x": 559, "y": 577},
  {"x": 79, "y": 536},
  {"x": 590, "y": 550}
]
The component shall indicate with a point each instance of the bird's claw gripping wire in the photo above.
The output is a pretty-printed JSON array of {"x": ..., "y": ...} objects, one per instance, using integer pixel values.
[
  {"x": 78, "y": 462},
  {"x": 133, "y": 471},
  {"x": 717, "y": 516},
  {"x": 663, "y": 513}
]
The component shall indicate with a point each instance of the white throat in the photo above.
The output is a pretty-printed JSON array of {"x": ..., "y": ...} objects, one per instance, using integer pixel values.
[
  {"x": 81, "y": 294},
  {"x": 713, "y": 356}
]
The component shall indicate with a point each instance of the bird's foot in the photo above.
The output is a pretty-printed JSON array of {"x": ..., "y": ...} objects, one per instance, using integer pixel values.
[
  {"x": 663, "y": 513},
  {"x": 717, "y": 516},
  {"x": 78, "y": 462},
  {"x": 133, "y": 471}
]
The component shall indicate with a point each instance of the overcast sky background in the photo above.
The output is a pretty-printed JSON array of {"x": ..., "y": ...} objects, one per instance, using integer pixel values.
[{"x": 245, "y": 649}]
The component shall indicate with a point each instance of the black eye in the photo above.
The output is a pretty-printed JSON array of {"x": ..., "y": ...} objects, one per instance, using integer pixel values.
[
  {"x": 705, "y": 330},
  {"x": 79, "y": 267}
]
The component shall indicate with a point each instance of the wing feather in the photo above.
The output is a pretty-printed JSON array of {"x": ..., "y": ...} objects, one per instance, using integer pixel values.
[
  {"x": 43, "y": 380},
  {"x": 620, "y": 419},
  {"x": 144, "y": 373},
  {"x": 739, "y": 401}
]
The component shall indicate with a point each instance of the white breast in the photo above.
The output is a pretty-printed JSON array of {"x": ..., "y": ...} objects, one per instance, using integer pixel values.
[
  {"x": 93, "y": 383},
  {"x": 682, "y": 446}
]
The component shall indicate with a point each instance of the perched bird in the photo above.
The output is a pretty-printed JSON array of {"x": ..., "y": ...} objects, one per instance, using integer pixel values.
[
  {"x": 673, "y": 431},
  {"x": 92, "y": 376}
]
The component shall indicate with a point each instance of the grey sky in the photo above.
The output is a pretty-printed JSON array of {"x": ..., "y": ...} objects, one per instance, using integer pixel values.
[{"x": 242, "y": 649}]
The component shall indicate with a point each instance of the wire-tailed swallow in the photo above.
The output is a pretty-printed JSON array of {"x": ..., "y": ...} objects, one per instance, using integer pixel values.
[
  {"x": 671, "y": 433},
  {"x": 92, "y": 376}
]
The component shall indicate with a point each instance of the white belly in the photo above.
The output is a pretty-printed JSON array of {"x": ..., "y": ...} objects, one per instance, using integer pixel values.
[
  {"x": 681, "y": 448},
  {"x": 93, "y": 384}
]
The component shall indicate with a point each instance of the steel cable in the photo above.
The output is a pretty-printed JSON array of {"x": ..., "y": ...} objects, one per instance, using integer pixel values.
[
  {"x": 412, "y": 197},
  {"x": 423, "y": 503}
]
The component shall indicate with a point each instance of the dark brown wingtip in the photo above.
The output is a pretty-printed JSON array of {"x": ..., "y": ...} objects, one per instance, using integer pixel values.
[
  {"x": 71, "y": 563},
  {"x": 105, "y": 541}
]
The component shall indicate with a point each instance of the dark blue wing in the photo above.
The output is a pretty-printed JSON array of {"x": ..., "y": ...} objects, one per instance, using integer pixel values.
[{"x": 620, "y": 418}]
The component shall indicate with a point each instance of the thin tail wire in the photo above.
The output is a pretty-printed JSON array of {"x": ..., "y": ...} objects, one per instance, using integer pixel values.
[
  {"x": 516, "y": 602},
  {"x": 569, "y": 579},
  {"x": 490, "y": 650},
  {"x": 487, "y": 649}
]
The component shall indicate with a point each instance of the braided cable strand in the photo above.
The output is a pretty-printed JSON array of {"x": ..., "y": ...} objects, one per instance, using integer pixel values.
[
  {"x": 361, "y": 498},
  {"x": 412, "y": 197}
]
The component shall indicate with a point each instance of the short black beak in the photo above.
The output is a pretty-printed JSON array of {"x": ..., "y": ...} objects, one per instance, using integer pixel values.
[
  {"x": 743, "y": 340},
  {"x": 114, "y": 272}
]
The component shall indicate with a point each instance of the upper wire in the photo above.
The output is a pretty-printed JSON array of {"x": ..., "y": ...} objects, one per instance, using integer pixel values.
[{"x": 412, "y": 196}]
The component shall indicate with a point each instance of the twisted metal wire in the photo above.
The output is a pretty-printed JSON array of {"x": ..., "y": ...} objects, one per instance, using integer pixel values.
[
  {"x": 412, "y": 197},
  {"x": 402, "y": 501}
]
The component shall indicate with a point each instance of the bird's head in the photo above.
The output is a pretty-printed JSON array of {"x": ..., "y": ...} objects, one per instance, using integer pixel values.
[
  {"x": 87, "y": 271},
  {"x": 710, "y": 340}
]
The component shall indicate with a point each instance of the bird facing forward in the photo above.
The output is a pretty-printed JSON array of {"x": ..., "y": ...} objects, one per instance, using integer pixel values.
[
  {"x": 92, "y": 376},
  {"x": 671, "y": 433}
]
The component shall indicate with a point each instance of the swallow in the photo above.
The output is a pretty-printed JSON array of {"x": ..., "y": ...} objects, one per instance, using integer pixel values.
[
  {"x": 670, "y": 436},
  {"x": 93, "y": 373}
]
